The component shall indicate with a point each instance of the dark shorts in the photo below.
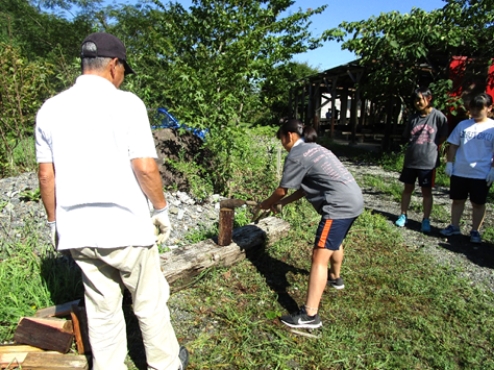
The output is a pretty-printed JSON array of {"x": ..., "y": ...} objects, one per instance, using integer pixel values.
[
  {"x": 426, "y": 177},
  {"x": 331, "y": 233},
  {"x": 461, "y": 187}
]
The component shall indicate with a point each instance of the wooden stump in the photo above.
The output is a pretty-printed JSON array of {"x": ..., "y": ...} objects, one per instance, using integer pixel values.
[{"x": 225, "y": 227}]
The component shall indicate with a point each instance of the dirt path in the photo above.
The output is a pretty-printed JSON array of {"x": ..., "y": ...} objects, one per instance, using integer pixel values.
[{"x": 475, "y": 262}]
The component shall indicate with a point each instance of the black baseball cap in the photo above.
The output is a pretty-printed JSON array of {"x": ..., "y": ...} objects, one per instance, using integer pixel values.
[{"x": 107, "y": 46}]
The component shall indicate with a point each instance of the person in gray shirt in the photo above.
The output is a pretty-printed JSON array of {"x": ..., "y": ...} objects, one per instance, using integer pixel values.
[
  {"x": 316, "y": 173},
  {"x": 425, "y": 131}
]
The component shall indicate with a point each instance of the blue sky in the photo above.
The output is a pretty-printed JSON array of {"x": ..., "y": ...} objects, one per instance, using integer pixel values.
[{"x": 337, "y": 11}]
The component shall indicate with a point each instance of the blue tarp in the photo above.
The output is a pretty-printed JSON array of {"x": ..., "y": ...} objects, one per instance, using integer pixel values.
[{"x": 169, "y": 121}]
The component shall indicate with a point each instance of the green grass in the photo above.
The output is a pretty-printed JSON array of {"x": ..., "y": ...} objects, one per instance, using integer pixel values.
[
  {"x": 389, "y": 186},
  {"x": 398, "y": 310},
  {"x": 32, "y": 277}
]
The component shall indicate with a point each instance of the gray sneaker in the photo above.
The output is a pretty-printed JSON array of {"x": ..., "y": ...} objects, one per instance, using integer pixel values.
[
  {"x": 302, "y": 320},
  {"x": 336, "y": 283},
  {"x": 183, "y": 356}
]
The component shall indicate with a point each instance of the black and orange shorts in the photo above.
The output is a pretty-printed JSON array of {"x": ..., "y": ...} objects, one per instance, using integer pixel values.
[{"x": 331, "y": 233}]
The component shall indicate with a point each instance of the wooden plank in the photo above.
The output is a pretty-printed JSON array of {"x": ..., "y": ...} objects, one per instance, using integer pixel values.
[
  {"x": 18, "y": 348},
  {"x": 60, "y": 310},
  {"x": 46, "y": 333},
  {"x": 191, "y": 260},
  {"x": 12, "y": 359},
  {"x": 52, "y": 361},
  {"x": 12, "y": 356}
]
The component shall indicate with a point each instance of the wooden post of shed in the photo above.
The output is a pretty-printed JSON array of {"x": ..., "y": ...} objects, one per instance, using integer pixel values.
[
  {"x": 316, "y": 107},
  {"x": 333, "y": 104}
]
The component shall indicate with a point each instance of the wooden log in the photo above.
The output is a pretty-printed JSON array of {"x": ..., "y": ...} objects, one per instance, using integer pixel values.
[
  {"x": 60, "y": 310},
  {"x": 46, "y": 333},
  {"x": 79, "y": 320},
  {"x": 54, "y": 361},
  {"x": 191, "y": 260},
  {"x": 225, "y": 227}
]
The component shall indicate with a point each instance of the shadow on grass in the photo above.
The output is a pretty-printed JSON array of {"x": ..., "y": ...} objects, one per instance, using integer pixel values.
[
  {"x": 411, "y": 224},
  {"x": 63, "y": 280},
  {"x": 135, "y": 345},
  {"x": 480, "y": 254},
  {"x": 275, "y": 273}
]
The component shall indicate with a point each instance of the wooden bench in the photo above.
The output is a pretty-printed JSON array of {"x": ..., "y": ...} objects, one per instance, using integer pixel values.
[
  {"x": 359, "y": 136},
  {"x": 379, "y": 137}
]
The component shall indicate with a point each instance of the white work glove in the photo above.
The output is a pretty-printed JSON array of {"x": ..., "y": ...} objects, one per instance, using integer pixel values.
[
  {"x": 53, "y": 233},
  {"x": 490, "y": 177},
  {"x": 449, "y": 169},
  {"x": 162, "y": 223}
]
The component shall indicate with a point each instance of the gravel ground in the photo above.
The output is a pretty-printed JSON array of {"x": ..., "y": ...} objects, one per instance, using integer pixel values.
[
  {"x": 476, "y": 263},
  {"x": 18, "y": 211}
]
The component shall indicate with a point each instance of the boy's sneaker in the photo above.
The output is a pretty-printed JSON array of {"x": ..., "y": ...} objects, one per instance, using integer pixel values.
[
  {"x": 475, "y": 237},
  {"x": 451, "y": 230},
  {"x": 426, "y": 226},
  {"x": 183, "y": 356},
  {"x": 401, "y": 221},
  {"x": 336, "y": 283},
  {"x": 302, "y": 320}
]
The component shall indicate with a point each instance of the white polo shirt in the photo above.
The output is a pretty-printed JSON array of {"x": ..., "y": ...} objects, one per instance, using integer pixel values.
[{"x": 91, "y": 132}]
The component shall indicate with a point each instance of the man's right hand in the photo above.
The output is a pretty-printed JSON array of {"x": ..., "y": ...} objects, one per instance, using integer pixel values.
[
  {"x": 53, "y": 233},
  {"x": 161, "y": 221},
  {"x": 449, "y": 169}
]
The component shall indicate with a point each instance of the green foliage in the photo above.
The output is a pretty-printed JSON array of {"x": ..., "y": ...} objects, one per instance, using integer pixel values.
[
  {"x": 24, "y": 86},
  {"x": 30, "y": 195},
  {"x": 206, "y": 65},
  {"x": 198, "y": 179},
  {"x": 275, "y": 90},
  {"x": 43, "y": 34},
  {"x": 259, "y": 148},
  {"x": 393, "y": 161},
  {"x": 33, "y": 277},
  {"x": 395, "y": 46},
  {"x": 201, "y": 233}
]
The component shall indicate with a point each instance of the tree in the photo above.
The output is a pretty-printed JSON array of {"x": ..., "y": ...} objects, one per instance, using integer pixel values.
[
  {"x": 207, "y": 64},
  {"x": 396, "y": 47},
  {"x": 275, "y": 89},
  {"x": 24, "y": 86}
]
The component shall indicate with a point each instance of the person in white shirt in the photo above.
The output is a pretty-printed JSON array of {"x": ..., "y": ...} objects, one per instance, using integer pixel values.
[
  {"x": 470, "y": 161},
  {"x": 97, "y": 172}
]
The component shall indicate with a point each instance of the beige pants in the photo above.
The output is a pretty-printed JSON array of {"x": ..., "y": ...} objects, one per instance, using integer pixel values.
[{"x": 105, "y": 273}]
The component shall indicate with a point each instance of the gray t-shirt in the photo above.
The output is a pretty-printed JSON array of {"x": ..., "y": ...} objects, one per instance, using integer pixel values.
[
  {"x": 327, "y": 184},
  {"x": 423, "y": 135}
]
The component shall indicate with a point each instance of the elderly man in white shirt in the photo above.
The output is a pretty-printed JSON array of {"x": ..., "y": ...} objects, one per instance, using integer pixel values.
[{"x": 97, "y": 172}]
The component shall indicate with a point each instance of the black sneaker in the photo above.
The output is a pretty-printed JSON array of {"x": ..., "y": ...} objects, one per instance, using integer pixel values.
[
  {"x": 336, "y": 283},
  {"x": 183, "y": 356},
  {"x": 302, "y": 320}
]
